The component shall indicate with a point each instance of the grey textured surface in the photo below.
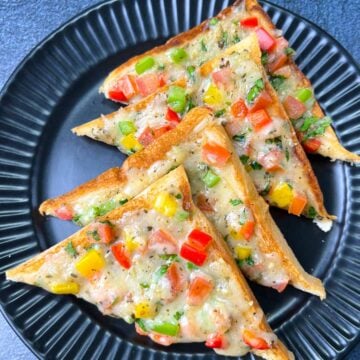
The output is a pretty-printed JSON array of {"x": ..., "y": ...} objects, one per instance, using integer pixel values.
[{"x": 24, "y": 23}]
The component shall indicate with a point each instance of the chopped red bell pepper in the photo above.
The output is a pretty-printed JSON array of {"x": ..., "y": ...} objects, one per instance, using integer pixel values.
[
  {"x": 64, "y": 213},
  {"x": 193, "y": 254},
  {"x": 272, "y": 160},
  {"x": 162, "y": 242},
  {"x": 247, "y": 229},
  {"x": 106, "y": 232},
  {"x": 146, "y": 137},
  {"x": 280, "y": 287},
  {"x": 174, "y": 275},
  {"x": 311, "y": 145},
  {"x": 215, "y": 155},
  {"x": 199, "y": 290},
  {"x": 239, "y": 109},
  {"x": 147, "y": 84},
  {"x": 259, "y": 119},
  {"x": 298, "y": 204},
  {"x": 250, "y": 22},
  {"x": 254, "y": 341},
  {"x": 172, "y": 116},
  {"x": 117, "y": 96},
  {"x": 121, "y": 255},
  {"x": 222, "y": 77},
  {"x": 215, "y": 341},
  {"x": 199, "y": 239},
  {"x": 261, "y": 101},
  {"x": 294, "y": 108},
  {"x": 266, "y": 41},
  {"x": 162, "y": 130},
  {"x": 284, "y": 71},
  {"x": 127, "y": 85}
]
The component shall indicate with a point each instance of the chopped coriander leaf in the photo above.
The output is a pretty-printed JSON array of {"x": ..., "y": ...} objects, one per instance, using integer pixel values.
[
  {"x": 213, "y": 21},
  {"x": 265, "y": 191},
  {"x": 277, "y": 81},
  {"x": 244, "y": 159},
  {"x": 223, "y": 41},
  {"x": 191, "y": 266},
  {"x": 141, "y": 324},
  {"x": 69, "y": 248},
  {"x": 250, "y": 261},
  {"x": 77, "y": 219},
  {"x": 313, "y": 127},
  {"x": 311, "y": 213},
  {"x": 276, "y": 141},
  {"x": 169, "y": 257},
  {"x": 219, "y": 113},
  {"x": 178, "y": 315},
  {"x": 161, "y": 67},
  {"x": 264, "y": 58},
  {"x": 178, "y": 196},
  {"x": 191, "y": 72},
  {"x": 203, "y": 45},
  {"x": 94, "y": 234},
  {"x": 182, "y": 215},
  {"x": 255, "y": 165},
  {"x": 287, "y": 154},
  {"x": 104, "y": 208},
  {"x": 189, "y": 104},
  {"x": 144, "y": 285},
  {"x": 255, "y": 91},
  {"x": 241, "y": 138},
  {"x": 236, "y": 38},
  {"x": 123, "y": 201},
  {"x": 161, "y": 271},
  {"x": 235, "y": 202},
  {"x": 289, "y": 51}
]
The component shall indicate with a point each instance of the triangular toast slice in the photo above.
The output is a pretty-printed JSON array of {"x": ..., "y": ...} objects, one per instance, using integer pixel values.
[
  {"x": 221, "y": 189},
  {"x": 235, "y": 86},
  {"x": 174, "y": 277},
  {"x": 143, "y": 74}
]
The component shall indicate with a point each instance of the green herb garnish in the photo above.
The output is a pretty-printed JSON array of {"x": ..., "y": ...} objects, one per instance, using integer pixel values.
[
  {"x": 219, "y": 113},
  {"x": 69, "y": 248},
  {"x": 277, "y": 81},
  {"x": 235, "y": 202}
]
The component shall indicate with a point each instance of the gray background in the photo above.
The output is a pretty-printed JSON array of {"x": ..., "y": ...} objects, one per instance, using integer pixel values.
[{"x": 23, "y": 23}]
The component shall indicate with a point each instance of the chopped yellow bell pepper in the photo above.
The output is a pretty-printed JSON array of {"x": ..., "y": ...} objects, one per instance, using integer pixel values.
[
  {"x": 166, "y": 204},
  {"x": 242, "y": 252},
  {"x": 282, "y": 195},
  {"x": 131, "y": 143},
  {"x": 130, "y": 243},
  {"x": 65, "y": 288},
  {"x": 213, "y": 96},
  {"x": 90, "y": 263},
  {"x": 144, "y": 310}
]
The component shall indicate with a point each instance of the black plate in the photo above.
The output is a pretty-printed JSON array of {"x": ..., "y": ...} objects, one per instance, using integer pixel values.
[{"x": 55, "y": 88}]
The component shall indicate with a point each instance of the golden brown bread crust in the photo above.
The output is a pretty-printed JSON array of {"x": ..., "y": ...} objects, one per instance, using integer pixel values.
[
  {"x": 216, "y": 250},
  {"x": 111, "y": 178},
  {"x": 277, "y": 110},
  {"x": 115, "y": 177},
  {"x": 330, "y": 146},
  {"x": 271, "y": 239}
]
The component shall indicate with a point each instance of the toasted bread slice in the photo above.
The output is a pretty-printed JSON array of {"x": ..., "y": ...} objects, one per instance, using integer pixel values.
[
  {"x": 224, "y": 192},
  {"x": 138, "y": 268},
  {"x": 268, "y": 147},
  {"x": 210, "y": 38}
]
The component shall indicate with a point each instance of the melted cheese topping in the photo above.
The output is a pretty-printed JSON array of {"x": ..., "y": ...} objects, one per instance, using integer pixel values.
[
  {"x": 146, "y": 294},
  {"x": 253, "y": 146}
]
